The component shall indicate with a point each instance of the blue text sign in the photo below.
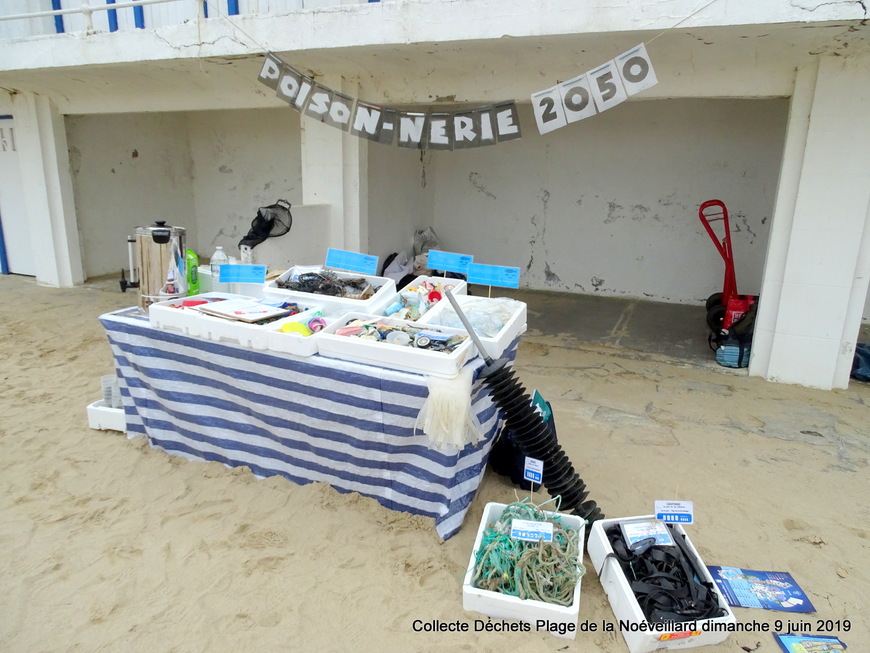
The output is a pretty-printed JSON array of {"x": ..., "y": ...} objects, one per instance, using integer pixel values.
[
  {"x": 354, "y": 261},
  {"x": 534, "y": 470},
  {"x": 494, "y": 275},
  {"x": 242, "y": 274},
  {"x": 449, "y": 261}
]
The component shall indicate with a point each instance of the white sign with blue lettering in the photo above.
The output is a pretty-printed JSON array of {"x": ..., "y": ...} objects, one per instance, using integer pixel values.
[
  {"x": 531, "y": 531},
  {"x": 494, "y": 275},
  {"x": 534, "y": 470},
  {"x": 353, "y": 261},
  {"x": 675, "y": 512},
  {"x": 448, "y": 261}
]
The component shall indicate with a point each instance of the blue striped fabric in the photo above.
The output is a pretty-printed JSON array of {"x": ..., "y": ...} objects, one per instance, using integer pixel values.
[{"x": 307, "y": 419}]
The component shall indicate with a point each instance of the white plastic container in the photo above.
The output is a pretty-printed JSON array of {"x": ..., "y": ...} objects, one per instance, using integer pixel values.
[
  {"x": 106, "y": 418},
  {"x": 293, "y": 342},
  {"x": 503, "y": 606},
  {"x": 495, "y": 345},
  {"x": 255, "y": 336},
  {"x": 456, "y": 286},
  {"x": 626, "y": 608},
  {"x": 374, "y": 305},
  {"x": 397, "y": 357}
]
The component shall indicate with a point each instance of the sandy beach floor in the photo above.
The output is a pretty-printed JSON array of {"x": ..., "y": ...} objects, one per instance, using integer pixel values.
[{"x": 110, "y": 545}]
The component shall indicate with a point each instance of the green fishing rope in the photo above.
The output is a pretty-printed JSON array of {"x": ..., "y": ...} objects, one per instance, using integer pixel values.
[{"x": 540, "y": 571}]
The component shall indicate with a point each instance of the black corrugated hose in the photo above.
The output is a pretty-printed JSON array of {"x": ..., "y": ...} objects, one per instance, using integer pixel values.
[{"x": 531, "y": 433}]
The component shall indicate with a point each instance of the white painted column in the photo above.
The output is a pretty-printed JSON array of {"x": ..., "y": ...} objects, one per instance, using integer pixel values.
[
  {"x": 45, "y": 172},
  {"x": 816, "y": 276},
  {"x": 334, "y": 172}
]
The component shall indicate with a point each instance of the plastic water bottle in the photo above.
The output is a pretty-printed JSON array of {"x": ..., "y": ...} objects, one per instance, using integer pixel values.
[{"x": 218, "y": 259}]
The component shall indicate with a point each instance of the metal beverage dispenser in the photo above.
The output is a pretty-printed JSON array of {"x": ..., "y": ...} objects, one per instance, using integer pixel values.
[{"x": 162, "y": 263}]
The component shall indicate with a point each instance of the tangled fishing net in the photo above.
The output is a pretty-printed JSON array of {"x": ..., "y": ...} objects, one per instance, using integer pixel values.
[{"x": 540, "y": 571}]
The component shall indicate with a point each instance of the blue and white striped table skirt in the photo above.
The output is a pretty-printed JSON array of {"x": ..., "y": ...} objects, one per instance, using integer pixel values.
[{"x": 306, "y": 419}]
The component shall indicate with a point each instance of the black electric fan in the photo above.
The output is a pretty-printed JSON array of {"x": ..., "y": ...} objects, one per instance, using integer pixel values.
[{"x": 532, "y": 435}]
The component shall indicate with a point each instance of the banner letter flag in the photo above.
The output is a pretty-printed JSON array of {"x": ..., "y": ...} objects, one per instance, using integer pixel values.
[
  {"x": 507, "y": 121},
  {"x": 465, "y": 133},
  {"x": 606, "y": 86},
  {"x": 636, "y": 70},
  {"x": 412, "y": 129},
  {"x": 577, "y": 99},
  {"x": 288, "y": 85},
  {"x": 270, "y": 73},
  {"x": 339, "y": 111},
  {"x": 440, "y": 131},
  {"x": 388, "y": 126},
  {"x": 366, "y": 121},
  {"x": 549, "y": 112},
  {"x": 483, "y": 122},
  {"x": 318, "y": 102}
]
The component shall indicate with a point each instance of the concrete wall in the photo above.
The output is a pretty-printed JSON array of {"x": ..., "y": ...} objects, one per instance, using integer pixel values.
[
  {"x": 242, "y": 160},
  {"x": 610, "y": 204},
  {"x": 128, "y": 170},
  {"x": 401, "y": 198},
  {"x": 205, "y": 171}
]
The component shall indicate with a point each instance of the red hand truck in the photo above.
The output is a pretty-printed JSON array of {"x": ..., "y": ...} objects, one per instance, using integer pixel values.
[{"x": 725, "y": 308}]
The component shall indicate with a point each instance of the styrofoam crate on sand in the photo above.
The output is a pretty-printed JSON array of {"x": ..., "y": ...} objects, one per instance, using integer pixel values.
[
  {"x": 398, "y": 357},
  {"x": 411, "y": 293},
  {"x": 496, "y": 321},
  {"x": 504, "y": 606},
  {"x": 106, "y": 418},
  {"x": 627, "y": 610},
  {"x": 385, "y": 289}
]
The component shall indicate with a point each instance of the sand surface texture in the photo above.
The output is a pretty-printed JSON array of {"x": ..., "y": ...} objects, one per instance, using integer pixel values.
[{"x": 110, "y": 545}]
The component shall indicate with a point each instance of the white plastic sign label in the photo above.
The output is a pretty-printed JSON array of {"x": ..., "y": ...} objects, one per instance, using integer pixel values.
[
  {"x": 636, "y": 531},
  {"x": 534, "y": 470},
  {"x": 531, "y": 531},
  {"x": 636, "y": 70},
  {"x": 242, "y": 273},
  {"x": 675, "y": 512}
]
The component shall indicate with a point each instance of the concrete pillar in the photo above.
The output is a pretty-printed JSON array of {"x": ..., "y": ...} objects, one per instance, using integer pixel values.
[
  {"x": 816, "y": 275},
  {"x": 334, "y": 172},
  {"x": 45, "y": 172}
]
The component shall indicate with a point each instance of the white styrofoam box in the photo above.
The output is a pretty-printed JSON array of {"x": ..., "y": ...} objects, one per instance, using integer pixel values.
[
  {"x": 504, "y": 606},
  {"x": 255, "y": 336},
  {"x": 456, "y": 286},
  {"x": 494, "y": 343},
  {"x": 625, "y": 606},
  {"x": 167, "y": 315},
  {"x": 374, "y": 305},
  {"x": 296, "y": 343},
  {"x": 397, "y": 357},
  {"x": 106, "y": 418}
]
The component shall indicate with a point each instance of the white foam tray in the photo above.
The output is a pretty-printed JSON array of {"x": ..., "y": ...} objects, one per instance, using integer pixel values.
[
  {"x": 457, "y": 287},
  {"x": 198, "y": 324},
  {"x": 503, "y": 606},
  {"x": 166, "y": 315},
  {"x": 374, "y": 305},
  {"x": 443, "y": 313},
  {"x": 625, "y": 606},
  {"x": 106, "y": 418},
  {"x": 296, "y": 343},
  {"x": 397, "y": 357}
]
